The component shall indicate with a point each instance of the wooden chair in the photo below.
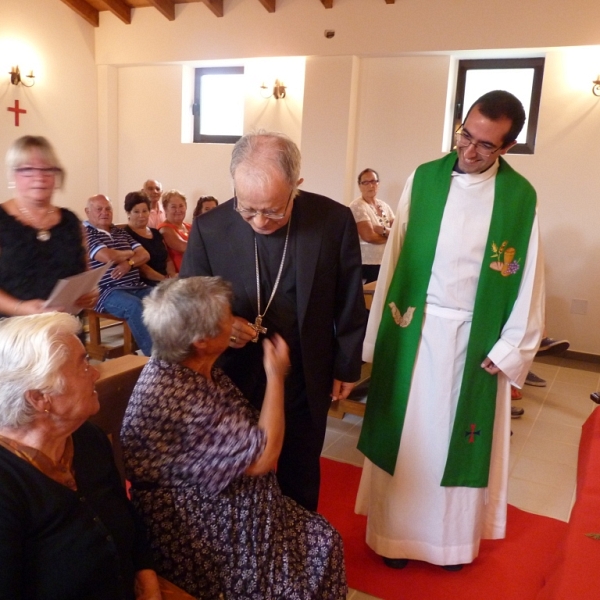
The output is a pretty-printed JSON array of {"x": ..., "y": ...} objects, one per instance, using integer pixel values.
[
  {"x": 117, "y": 380},
  {"x": 96, "y": 323}
]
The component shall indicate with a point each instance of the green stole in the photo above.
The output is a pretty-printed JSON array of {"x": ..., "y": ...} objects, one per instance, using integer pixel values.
[{"x": 397, "y": 342}]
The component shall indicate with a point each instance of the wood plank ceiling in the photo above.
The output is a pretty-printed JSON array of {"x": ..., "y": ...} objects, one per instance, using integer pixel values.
[{"x": 90, "y": 9}]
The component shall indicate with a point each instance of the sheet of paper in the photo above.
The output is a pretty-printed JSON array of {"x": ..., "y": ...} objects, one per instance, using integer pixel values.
[{"x": 66, "y": 291}]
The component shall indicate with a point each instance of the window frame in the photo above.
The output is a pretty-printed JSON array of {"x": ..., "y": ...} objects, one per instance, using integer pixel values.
[
  {"x": 537, "y": 64},
  {"x": 199, "y": 72}
]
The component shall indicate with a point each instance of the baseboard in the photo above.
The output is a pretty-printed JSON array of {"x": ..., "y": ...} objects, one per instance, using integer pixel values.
[{"x": 586, "y": 356}]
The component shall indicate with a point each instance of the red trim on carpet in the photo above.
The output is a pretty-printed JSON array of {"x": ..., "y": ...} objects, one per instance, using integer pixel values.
[{"x": 510, "y": 569}]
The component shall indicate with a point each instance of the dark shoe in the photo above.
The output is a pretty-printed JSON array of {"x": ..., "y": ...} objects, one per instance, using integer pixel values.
[
  {"x": 550, "y": 346},
  {"x": 533, "y": 379},
  {"x": 395, "y": 563},
  {"x": 516, "y": 412},
  {"x": 452, "y": 568},
  {"x": 595, "y": 396}
]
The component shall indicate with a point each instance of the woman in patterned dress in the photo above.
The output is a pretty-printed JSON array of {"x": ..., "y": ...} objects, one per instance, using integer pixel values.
[{"x": 200, "y": 460}]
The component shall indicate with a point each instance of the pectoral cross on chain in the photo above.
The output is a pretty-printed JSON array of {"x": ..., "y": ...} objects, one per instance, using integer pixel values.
[{"x": 257, "y": 326}]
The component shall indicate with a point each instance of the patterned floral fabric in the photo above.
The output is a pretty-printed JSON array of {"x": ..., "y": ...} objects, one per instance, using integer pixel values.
[{"x": 214, "y": 530}]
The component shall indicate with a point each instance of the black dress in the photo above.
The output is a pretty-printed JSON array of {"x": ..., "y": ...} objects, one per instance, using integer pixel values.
[
  {"x": 30, "y": 268},
  {"x": 60, "y": 544},
  {"x": 156, "y": 249}
]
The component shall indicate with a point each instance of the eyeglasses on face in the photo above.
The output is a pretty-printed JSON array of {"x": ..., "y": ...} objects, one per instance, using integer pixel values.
[
  {"x": 250, "y": 213},
  {"x": 43, "y": 171},
  {"x": 464, "y": 140},
  {"x": 369, "y": 182}
]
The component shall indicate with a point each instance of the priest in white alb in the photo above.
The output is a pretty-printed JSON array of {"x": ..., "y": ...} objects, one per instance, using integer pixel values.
[{"x": 456, "y": 319}]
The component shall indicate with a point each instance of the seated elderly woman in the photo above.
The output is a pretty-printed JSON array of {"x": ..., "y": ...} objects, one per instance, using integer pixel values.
[
  {"x": 200, "y": 460},
  {"x": 67, "y": 530},
  {"x": 175, "y": 231}
]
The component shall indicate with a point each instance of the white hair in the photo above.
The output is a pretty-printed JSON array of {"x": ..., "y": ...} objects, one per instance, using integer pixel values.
[
  {"x": 179, "y": 312},
  {"x": 32, "y": 351}
]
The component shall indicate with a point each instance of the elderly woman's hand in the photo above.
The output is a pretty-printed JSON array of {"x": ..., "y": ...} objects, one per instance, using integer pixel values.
[
  {"x": 241, "y": 333},
  {"x": 276, "y": 358},
  {"x": 147, "y": 586}
]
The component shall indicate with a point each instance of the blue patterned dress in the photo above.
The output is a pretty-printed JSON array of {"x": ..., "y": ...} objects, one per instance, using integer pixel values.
[{"x": 187, "y": 443}]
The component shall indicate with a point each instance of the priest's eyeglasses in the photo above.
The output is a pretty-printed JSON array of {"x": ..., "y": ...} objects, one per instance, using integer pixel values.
[
  {"x": 250, "y": 213},
  {"x": 464, "y": 140}
]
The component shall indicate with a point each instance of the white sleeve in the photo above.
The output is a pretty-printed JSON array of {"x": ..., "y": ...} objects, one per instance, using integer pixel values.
[
  {"x": 386, "y": 272},
  {"x": 514, "y": 352}
]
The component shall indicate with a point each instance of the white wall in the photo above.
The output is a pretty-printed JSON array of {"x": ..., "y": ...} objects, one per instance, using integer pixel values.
[
  {"x": 375, "y": 94},
  {"x": 62, "y": 105},
  {"x": 149, "y": 113},
  {"x": 363, "y": 28}
]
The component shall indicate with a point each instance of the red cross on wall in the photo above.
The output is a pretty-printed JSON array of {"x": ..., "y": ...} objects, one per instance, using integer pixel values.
[{"x": 17, "y": 111}]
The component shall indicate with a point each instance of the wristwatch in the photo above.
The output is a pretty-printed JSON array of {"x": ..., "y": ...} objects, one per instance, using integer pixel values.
[{"x": 131, "y": 263}]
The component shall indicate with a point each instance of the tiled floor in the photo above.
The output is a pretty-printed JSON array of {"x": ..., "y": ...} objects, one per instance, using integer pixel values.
[{"x": 544, "y": 446}]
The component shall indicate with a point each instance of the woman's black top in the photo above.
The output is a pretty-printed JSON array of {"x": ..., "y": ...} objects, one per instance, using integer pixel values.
[
  {"x": 156, "y": 249},
  {"x": 30, "y": 268}
]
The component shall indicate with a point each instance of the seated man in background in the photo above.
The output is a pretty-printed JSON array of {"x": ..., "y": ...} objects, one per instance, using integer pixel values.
[
  {"x": 121, "y": 289},
  {"x": 153, "y": 189}
]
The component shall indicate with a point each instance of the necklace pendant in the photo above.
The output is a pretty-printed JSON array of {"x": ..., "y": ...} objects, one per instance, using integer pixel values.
[
  {"x": 43, "y": 235},
  {"x": 257, "y": 326}
]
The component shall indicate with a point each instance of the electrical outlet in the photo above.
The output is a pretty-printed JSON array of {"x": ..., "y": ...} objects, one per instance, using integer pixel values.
[{"x": 579, "y": 307}]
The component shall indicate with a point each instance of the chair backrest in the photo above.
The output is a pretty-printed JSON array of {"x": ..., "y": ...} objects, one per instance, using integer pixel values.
[{"x": 117, "y": 380}]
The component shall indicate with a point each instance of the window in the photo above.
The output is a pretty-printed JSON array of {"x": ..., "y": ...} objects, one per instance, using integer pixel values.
[
  {"x": 519, "y": 76},
  {"x": 218, "y": 105}
]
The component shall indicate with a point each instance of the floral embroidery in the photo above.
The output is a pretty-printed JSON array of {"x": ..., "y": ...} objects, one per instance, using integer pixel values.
[
  {"x": 505, "y": 263},
  {"x": 403, "y": 320}
]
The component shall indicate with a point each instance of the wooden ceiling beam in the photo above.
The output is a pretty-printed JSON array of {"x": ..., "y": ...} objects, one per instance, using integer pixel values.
[
  {"x": 327, "y": 3},
  {"x": 119, "y": 9},
  {"x": 165, "y": 7},
  {"x": 216, "y": 6},
  {"x": 84, "y": 10},
  {"x": 269, "y": 5}
]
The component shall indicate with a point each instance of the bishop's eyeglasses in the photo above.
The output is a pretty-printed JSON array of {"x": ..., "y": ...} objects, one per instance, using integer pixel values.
[{"x": 250, "y": 213}]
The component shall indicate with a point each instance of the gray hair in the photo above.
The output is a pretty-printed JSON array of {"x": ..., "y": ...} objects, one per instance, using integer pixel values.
[
  {"x": 179, "y": 312},
  {"x": 265, "y": 152},
  {"x": 20, "y": 152},
  {"x": 32, "y": 351}
]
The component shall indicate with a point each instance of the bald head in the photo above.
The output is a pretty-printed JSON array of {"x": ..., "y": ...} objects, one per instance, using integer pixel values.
[
  {"x": 99, "y": 212},
  {"x": 261, "y": 157}
]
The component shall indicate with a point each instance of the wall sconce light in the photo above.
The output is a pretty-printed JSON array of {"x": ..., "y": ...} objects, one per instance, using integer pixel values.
[
  {"x": 596, "y": 88},
  {"x": 278, "y": 90},
  {"x": 15, "y": 77}
]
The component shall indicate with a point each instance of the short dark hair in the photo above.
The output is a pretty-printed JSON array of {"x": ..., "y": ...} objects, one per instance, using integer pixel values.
[
  {"x": 367, "y": 171},
  {"x": 133, "y": 199},
  {"x": 500, "y": 104},
  {"x": 202, "y": 201}
]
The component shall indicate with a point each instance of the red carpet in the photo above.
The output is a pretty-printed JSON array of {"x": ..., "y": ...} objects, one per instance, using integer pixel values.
[{"x": 509, "y": 569}]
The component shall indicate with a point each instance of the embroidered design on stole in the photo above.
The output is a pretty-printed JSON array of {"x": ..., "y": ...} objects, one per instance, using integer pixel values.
[
  {"x": 403, "y": 320},
  {"x": 505, "y": 262}
]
